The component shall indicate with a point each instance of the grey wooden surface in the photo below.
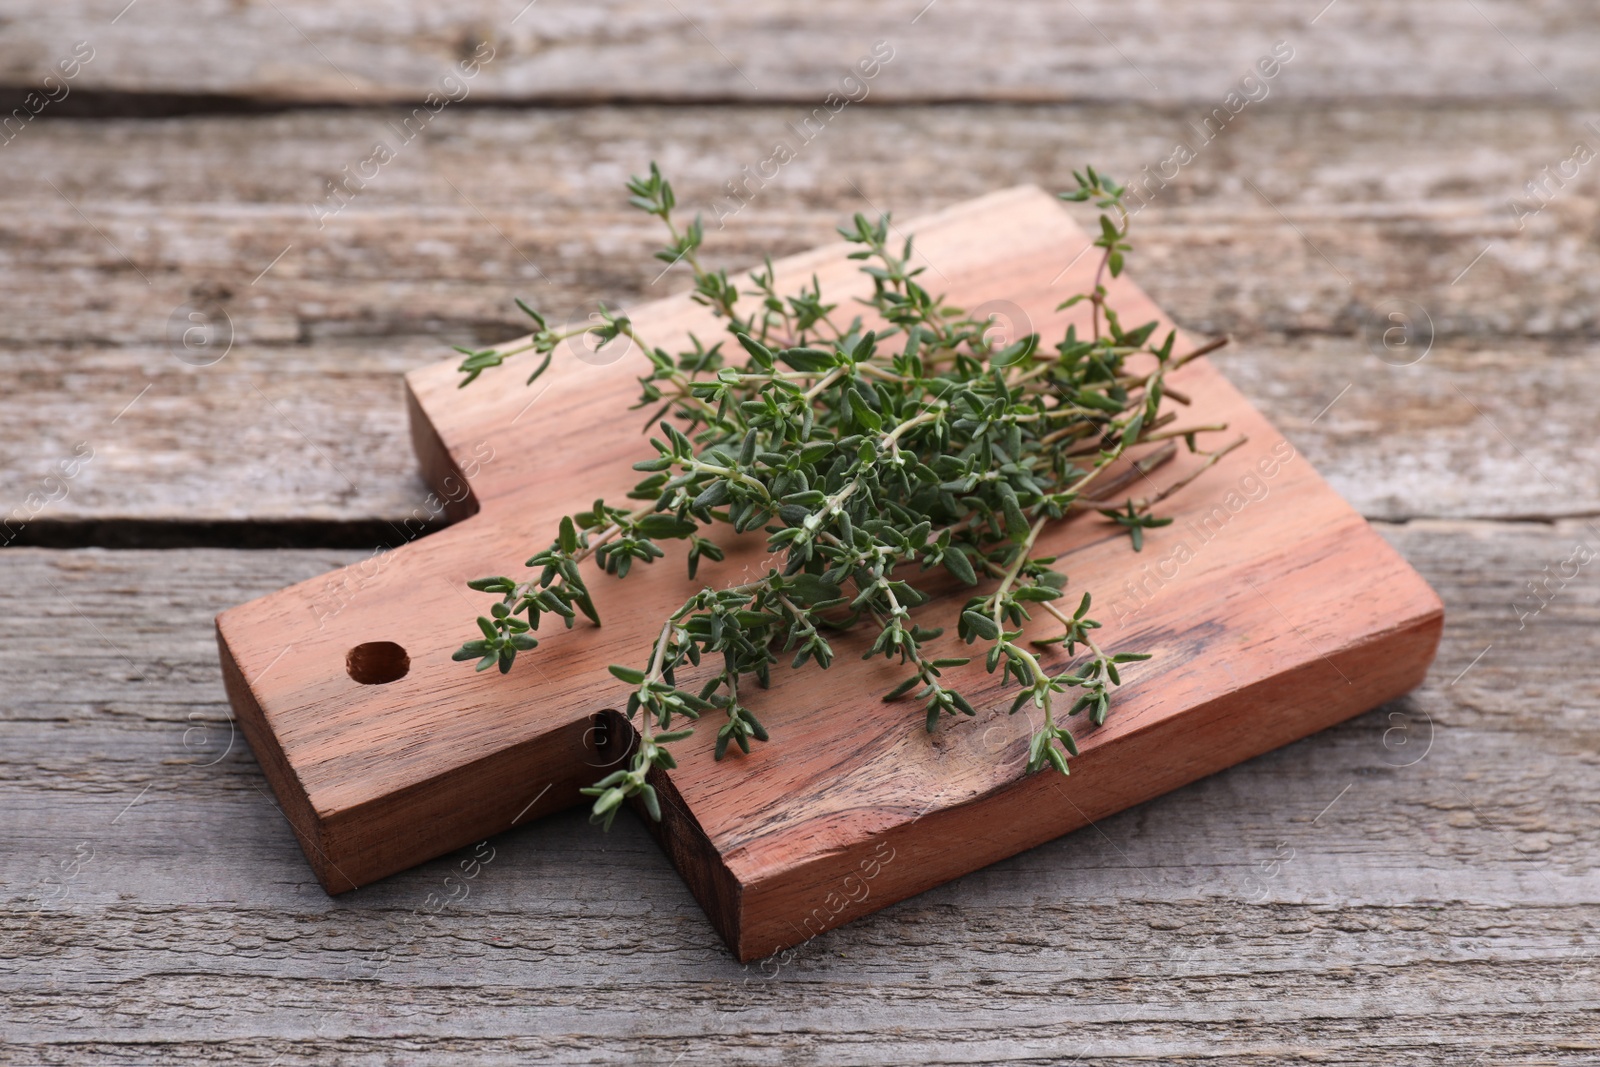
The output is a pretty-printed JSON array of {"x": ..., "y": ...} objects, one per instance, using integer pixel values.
[{"x": 1416, "y": 886}]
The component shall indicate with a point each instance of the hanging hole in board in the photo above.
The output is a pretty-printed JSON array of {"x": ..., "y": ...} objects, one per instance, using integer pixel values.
[{"x": 377, "y": 663}]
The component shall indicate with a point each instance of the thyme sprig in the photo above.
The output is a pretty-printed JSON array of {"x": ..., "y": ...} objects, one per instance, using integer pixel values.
[{"x": 868, "y": 455}]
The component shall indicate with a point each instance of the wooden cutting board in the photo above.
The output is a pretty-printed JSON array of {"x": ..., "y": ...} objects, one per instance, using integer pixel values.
[{"x": 1271, "y": 607}]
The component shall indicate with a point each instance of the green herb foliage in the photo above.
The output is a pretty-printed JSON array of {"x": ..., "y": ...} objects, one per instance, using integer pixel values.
[{"x": 868, "y": 456}]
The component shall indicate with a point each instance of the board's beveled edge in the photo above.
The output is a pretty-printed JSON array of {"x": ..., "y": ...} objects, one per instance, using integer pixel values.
[{"x": 403, "y": 828}]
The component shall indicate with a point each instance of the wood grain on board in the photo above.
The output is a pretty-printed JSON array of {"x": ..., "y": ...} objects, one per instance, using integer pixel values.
[{"x": 1308, "y": 618}]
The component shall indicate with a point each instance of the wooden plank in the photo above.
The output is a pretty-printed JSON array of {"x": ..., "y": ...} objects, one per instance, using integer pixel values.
[
  {"x": 204, "y": 205},
  {"x": 379, "y": 770},
  {"x": 1433, "y": 911},
  {"x": 722, "y": 51},
  {"x": 298, "y": 430},
  {"x": 315, "y": 446}
]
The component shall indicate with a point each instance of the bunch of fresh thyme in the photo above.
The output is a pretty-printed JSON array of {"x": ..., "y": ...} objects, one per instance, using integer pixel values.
[{"x": 867, "y": 456}]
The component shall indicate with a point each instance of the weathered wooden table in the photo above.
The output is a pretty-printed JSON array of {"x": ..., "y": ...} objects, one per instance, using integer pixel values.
[{"x": 1416, "y": 886}]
